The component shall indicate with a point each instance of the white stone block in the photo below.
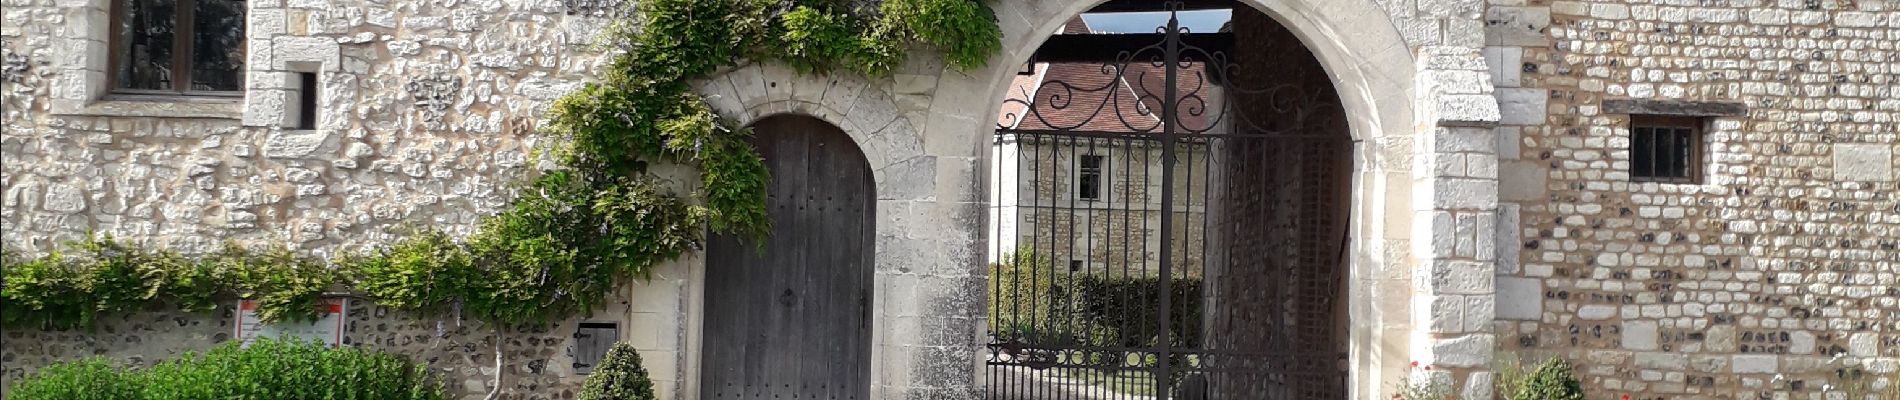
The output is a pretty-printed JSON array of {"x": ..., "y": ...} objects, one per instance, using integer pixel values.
[
  {"x": 1522, "y": 181},
  {"x": 1467, "y": 108},
  {"x": 1596, "y": 312},
  {"x": 295, "y": 49},
  {"x": 1864, "y": 344},
  {"x": 294, "y": 144},
  {"x": 1866, "y": 162},
  {"x": 1519, "y": 106},
  {"x": 1462, "y": 277},
  {"x": 1520, "y": 299},
  {"x": 1640, "y": 335},
  {"x": 1856, "y": 19},
  {"x": 1768, "y": 16},
  {"x": 1609, "y": 11},
  {"x": 1463, "y": 352},
  {"x": 1517, "y": 26},
  {"x": 1755, "y": 364}
]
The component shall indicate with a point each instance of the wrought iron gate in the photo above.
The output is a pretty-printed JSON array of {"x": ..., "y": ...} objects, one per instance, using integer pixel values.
[{"x": 1167, "y": 225}]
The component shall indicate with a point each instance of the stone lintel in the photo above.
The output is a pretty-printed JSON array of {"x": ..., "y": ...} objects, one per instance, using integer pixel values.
[{"x": 1675, "y": 107}]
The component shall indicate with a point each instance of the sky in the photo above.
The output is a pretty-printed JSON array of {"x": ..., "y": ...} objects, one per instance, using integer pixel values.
[{"x": 1199, "y": 21}]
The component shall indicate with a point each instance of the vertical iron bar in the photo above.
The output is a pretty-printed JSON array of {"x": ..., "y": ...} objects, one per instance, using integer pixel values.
[{"x": 1170, "y": 56}]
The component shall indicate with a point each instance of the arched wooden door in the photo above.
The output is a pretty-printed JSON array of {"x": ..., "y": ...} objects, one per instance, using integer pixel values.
[{"x": 790, "y": 318}]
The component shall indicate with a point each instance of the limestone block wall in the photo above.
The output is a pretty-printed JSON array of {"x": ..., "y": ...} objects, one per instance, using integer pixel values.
[{"x": 1747, "y": 284}]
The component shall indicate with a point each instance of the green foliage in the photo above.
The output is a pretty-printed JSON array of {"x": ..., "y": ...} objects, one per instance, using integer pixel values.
[
  {"x": 1511, "y": 373},
  {"x": 427, "y": 272},
  {"x": 268, "y": 369},
  {"x": 71, "y": 287},
  {"x": 285, "y": 286},
  {"x": 558, "y": 252},
  {"x": 1020, "y": 293},
  {"x": 1552, "y": 380},
  {"x": 44, "y": 292},
  {"x": 618, "y": 377},
  {"x": 92, "y": 378},
  {"x": 1030, "y": 298},
  {"x": 964, "y": 30}
]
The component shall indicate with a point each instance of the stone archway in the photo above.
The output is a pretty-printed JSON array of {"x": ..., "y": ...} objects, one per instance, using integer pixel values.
[
  {"x": 926, "y": 131},
  {"x": 1195, "y": 175},
  {"x": 1406, "y": 219}
]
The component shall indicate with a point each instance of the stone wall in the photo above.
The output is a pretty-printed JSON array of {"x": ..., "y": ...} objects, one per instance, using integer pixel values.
[
  {"x": 427, "y": 110},
  {"x": 1748, "y": 283}
]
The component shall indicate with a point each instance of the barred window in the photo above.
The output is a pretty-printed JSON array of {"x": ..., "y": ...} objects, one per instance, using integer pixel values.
[
  {"x": 171, "y": 47},
  {"x": 1665, "y": 149},
  {"x": 1089, "y": 180}
]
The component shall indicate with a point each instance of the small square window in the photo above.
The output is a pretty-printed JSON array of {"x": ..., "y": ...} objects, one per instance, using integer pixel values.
[
  {"x": 1075, "y": 265},
  {"x": 1089, "y": 178},
  {"x": 1665, "y": 148}
]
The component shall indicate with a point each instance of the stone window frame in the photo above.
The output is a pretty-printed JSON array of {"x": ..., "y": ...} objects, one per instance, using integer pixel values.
[
  {"x": 1697, "y": 155},
  {"x": 82, "y": 85},
  {"x": 273, "y": 57},
  {"x": 184, "y": 36},
  {"x": 1716, "y": 122}
]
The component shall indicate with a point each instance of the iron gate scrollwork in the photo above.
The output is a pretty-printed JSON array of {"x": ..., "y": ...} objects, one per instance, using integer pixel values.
[{"x": 1166, "y": 222}]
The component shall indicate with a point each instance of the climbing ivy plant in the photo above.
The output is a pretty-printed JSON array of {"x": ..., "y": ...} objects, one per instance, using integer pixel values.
[{"x": 572, "y": 231}]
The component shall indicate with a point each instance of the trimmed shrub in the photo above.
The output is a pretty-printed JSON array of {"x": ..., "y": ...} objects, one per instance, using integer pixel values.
[
  {"x": 618, "y": 377},
  {"x": 1122, "y": 310},
  {"x": 1552, "y": 380},
  {"x": 92, "y": 378},
  {"x": 268, "y": 369}
]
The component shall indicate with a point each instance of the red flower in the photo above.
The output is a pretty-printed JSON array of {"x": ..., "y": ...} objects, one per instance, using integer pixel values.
[
  {"x": 1626, "y": 397},
  {"x": 1414, "y": 364}
]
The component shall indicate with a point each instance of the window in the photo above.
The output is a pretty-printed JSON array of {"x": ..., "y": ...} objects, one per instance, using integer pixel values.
[
  {"x": 171, "y": 47},
  {"x": 306, "y": 111},
  {"x": 591, "y": 342},
  {"x": 1089, "y": 178},
  {"x": 1075, "y": 265},
  {"x": 1665, "y": 149}
]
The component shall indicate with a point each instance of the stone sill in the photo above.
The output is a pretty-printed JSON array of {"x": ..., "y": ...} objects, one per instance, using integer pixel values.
[{"x": 159, "y": 107}]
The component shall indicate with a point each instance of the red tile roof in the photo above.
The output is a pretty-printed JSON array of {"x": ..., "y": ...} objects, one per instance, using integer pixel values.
[{"x": 1105, "y": 96}]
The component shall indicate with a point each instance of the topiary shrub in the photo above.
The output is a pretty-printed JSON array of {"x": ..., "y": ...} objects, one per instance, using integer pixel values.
[
  {"x": 1552, "y": 380},
  {"x": 618, "y": 377},
  {"x": 268, "y": 369}
]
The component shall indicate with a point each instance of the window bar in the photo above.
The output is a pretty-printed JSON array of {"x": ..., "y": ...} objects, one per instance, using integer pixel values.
[
  {"x": 184, "y": 35},
  {"x": 1685, "y": 154}
]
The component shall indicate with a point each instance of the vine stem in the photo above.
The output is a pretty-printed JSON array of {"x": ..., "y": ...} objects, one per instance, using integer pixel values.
[{"x": 495, "y": 392}]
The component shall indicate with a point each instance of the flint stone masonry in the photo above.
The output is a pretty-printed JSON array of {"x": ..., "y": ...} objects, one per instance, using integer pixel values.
[{"x": 1782, "y": 255}]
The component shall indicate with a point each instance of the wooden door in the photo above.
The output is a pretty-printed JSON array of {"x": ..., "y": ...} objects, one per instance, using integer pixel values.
[{"x": 790, "y": 318}]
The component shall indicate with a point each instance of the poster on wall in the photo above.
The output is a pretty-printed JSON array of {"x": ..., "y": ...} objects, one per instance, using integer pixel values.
[{"x": 327, "y": 328}]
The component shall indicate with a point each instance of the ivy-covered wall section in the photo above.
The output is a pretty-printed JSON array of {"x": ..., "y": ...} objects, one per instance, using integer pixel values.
[
  {"x": 573, "y": 231},
  {"x": 578, "y": 226}
]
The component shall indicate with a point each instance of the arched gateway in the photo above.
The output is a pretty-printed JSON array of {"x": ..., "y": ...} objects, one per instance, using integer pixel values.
[{"x": 1169, "y": 200}]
